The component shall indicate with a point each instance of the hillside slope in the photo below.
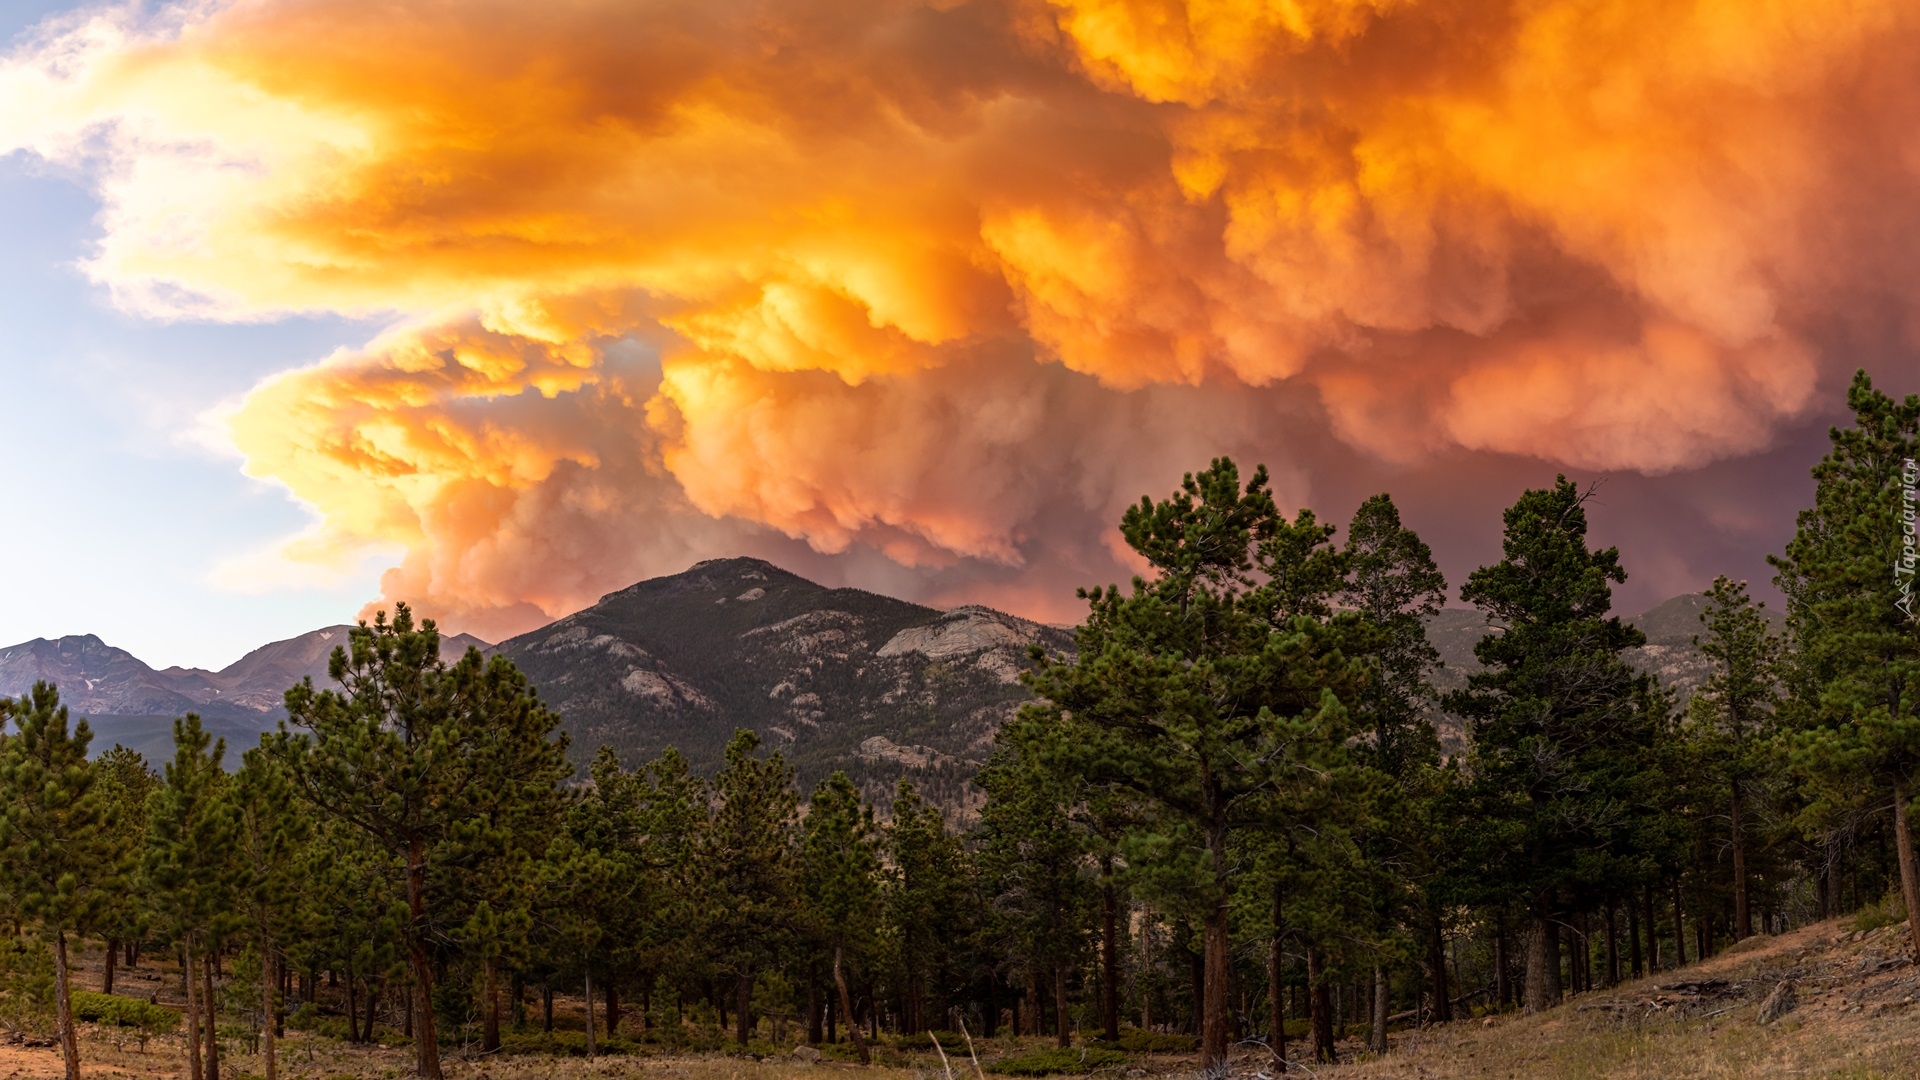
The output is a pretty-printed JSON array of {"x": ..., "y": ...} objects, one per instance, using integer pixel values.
[
  {"x": 1854, "y": 1015},
  {"x": 833, "y": 678}
]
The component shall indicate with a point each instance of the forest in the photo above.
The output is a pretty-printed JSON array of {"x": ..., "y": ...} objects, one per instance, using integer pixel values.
[{"x": 1226, "y": 813}]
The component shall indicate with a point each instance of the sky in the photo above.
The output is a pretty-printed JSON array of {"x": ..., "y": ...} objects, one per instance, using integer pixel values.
[{"x": 311, "y": 306}]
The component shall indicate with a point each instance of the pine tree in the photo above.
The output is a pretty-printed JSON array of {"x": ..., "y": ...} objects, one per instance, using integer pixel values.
[
  {"x": 1561, "y": 728},
  {"x": 1849, "y": 574},
  {"x": 746, "y": 864},
  {"x": 1207, "y": 687},
  {"x": 271, "y": 826},
  {"x": 839, "y": 877},
  {"x": 1736, "y": 707},
  {"x": 127, "y": 783},
  {"x": 60, "y": 862},
  {"x": 189, "y": 875},
  {"x": 923, "y": 897},
  {"x": 421, "y": 755},
  {"x": 1034, "y": 865}
]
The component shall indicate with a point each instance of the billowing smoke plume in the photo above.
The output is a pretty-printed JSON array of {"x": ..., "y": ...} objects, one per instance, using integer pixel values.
[{"x": 945, "y": 282}]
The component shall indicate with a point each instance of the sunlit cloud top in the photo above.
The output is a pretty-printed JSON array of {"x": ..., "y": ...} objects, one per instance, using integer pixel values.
[{"x": 911, "y": 277}]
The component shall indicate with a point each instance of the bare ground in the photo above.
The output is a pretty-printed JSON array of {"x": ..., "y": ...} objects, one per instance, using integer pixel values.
[{"x": 1855, "y": 1015}]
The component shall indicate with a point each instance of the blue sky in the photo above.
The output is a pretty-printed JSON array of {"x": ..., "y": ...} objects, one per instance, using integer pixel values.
[{"x": 116, "y": 513}]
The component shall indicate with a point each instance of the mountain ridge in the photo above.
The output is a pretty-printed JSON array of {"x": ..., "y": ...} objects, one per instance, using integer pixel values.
[{"x": 835, "y": 678}]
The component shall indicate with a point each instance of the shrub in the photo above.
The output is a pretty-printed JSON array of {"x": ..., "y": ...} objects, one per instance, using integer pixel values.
[
  {"x": 1065, "y": 1059},
  {"x": 1149, "y": 1042},
  {"x": 923, "y": 1040},
  {"x": 1890, "y": 911},
  {"x": 123, "y": 1011}
]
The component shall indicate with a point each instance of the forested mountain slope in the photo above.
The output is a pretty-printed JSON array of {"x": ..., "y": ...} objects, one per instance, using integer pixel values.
[{"x": 833, "y": 678}]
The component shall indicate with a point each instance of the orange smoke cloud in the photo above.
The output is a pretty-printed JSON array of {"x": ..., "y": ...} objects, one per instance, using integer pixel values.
[{"x": 670, "y": 274}]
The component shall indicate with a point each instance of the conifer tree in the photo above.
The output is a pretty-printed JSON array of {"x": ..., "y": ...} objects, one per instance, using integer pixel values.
[
  {"x": 189, "y": 872},
  {"x": 60, "y": 862},
  {"x": 747, "y": 866},
  {"x": 270, "y": 827},
  {"x": 1561, "y": 726},
  {"x": 127, "y": 783},
  {"x": 839, "y": 872},
  {"x": 923, "y": 897},
  {"x": 420, "y": 755},
  {"x": 1207, "y": 687},
  {"x": 1393, "y": 584},
  {"x": 1034, "y": 866},
  {"x": 1736, "y": 706},
  {"x": 1850, "y": 576}
]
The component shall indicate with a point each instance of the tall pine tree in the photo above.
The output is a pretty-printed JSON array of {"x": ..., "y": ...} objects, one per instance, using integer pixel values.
[
  {"x": 60, "y": 863},
  {"x": 1850, "y": 576},
  {"x": 1561, "y": 729}
]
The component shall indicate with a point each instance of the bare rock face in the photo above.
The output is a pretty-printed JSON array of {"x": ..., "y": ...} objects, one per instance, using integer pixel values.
[
  {"x": 1779, "y": 1003},
  {"x": 963, "y": 631}
]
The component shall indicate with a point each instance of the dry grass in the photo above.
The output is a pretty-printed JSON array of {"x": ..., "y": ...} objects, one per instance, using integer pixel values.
[{"x": 1857, "y": 1018}]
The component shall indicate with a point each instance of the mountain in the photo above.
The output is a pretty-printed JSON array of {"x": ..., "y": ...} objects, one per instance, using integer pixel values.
[
  {"x": 127, "y": 701},
  {"x": 1669, "y": 654},
  {"x": 833, "y": 678}
]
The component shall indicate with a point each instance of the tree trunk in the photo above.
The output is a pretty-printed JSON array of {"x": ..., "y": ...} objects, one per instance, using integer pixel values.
[
  {"x": 1502, "y": 979},
  {"x": 1276, "y": 985},
  {"x": 213, "y": 1017},
  {"x": 846, "y": 1007},
  {"x": 1679, "y": 929},
  {"x": 1036, "y": 1011},
  {"x": 1742, "y": 911},
  {"x": 63, "y": 1007},
  {"x": 426, "y": 1041},
  {"x": 834, "y": 1009},
  {"x": 1909, "y": 873},
  {"x": 1063, "y": 1036},
  {"x": 1633, "y": 935},
  {"x": 1213, "y": 1009},
  {"x": 194, "y": 1066},
  {"x": 1378, "y": 1042},
  {"x": 269, "y": 982},
  {"x": 1319, "y": 1005},
  {"x": 1613, "y": 944},
  {"x": 813, "y": 1003},
  {"x": 743, "y": 1001},
  {"x": 374, "y": 989},
  {"x": 1582, "y": 948},
  {"x": 1543, "y": 963},
  {"x": 490, "y": 1035},
  {"x": 1109, "y": 957},
  {"x": 113, "y": 951},
  {"x": 1437, "y": 969},
  {"x": 613, "y": 1007},
  {"x": 587, "y": 974}
]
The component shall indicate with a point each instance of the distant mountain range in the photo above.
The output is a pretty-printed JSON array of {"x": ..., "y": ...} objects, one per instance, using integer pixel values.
[
  {"x": 834, "y": 678},
  {"x": 126, "y": 701}
]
